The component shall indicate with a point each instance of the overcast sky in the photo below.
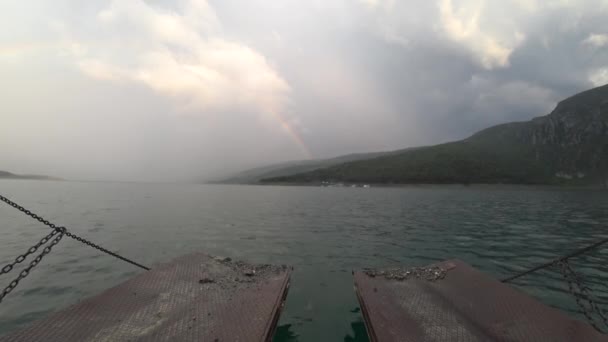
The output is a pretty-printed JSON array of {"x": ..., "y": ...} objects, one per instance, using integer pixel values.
[{"x": 188, "y": 89}]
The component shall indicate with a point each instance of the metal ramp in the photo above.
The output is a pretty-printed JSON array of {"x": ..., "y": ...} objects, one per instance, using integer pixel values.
[
  {"x": 192, "y": 298},
  {"x": 462, "y": 304}
]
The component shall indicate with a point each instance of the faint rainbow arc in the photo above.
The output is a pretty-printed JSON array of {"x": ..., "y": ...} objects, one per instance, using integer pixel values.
[
  {"x": 293, "y": 134},
  {"x": 284, "y": 123}
]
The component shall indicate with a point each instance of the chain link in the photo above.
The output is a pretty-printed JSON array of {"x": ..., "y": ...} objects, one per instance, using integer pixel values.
[
  {"x": 64, "y": 230},
  {"x": 576, "y": 286},
  {"x": 554, "y": 262},
  {"x": 91, "y": 244},
  {"x": 27, "y": 212},
  {"x": 56, "y": 235},
  {"x": 9, "y": 267},
  {"x": 26, "y": 271},
  {"x": 581, "y": 294}
]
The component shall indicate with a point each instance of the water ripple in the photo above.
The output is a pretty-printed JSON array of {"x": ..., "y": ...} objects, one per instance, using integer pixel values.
[{"x": 323, "y": 233}]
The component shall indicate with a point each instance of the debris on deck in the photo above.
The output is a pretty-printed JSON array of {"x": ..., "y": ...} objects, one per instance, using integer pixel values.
[
  {"x": 451, "y": 301},
  {"x": 192, "y": 298}
]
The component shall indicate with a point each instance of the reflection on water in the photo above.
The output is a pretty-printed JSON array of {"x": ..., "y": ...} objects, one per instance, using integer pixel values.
[
  {"x": 360, "y": 334},
  {"x": 324, "y": 233},
  {"x": 284, "y": 333}
]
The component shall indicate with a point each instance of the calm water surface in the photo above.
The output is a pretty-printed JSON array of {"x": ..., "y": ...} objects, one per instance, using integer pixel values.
[{"x": 323, "y": 232}]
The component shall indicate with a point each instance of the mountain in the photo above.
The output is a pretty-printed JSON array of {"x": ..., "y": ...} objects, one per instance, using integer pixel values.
[
  {"x": 255, "y": 175},
  {"x": 569, "y": 145},
  {"x": 9, "y": 175}
]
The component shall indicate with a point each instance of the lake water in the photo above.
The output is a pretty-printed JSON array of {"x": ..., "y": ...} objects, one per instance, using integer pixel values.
[{"x": 324, "y": 233}]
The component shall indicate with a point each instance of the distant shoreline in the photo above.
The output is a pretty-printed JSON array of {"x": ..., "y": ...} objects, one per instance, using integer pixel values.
[
  {"x": 433, "y": 185},
  {"x": 10, "y": 175},
  {"x": 33, "y": 178}
]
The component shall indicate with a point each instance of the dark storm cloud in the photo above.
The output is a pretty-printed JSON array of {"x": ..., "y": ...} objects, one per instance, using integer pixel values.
[{"x": 190, "y": 89}]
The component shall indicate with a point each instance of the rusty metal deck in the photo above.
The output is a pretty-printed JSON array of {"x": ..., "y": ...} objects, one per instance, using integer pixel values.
[
  {"x": 192, "y": 298},
  {"x": 466, "y": 305}
]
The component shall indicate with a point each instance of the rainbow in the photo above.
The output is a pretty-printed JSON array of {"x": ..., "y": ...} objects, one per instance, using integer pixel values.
[
  {"x": 281, "y": 120},
  {"x": 293, "y": 134}
]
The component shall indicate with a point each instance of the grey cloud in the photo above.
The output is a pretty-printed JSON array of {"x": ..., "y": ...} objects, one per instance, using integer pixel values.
[{"x": 345, "y": 76}]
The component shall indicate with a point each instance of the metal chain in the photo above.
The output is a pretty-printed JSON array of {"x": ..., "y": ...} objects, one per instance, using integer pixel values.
[
  {"x": 9, "y": 267},
  {"x": 554, "y": 262},
  {"x": 587, "y": 293},
  {"x": 63, "y": 230},
  {"x": 576, "y": 286},
  {"x": 581, "y": 293},
  {"x": 27, "y": 212},
  {"x": 91, "y": 244},
  {"x": 26, "y": 271}
]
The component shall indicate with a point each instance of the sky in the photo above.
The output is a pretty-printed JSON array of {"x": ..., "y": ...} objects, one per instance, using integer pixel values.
[{"x": 188, "y": 90}]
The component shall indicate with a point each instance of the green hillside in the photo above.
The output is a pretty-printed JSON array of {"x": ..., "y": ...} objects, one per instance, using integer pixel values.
[
  {"x": 255, "y": 175},
  {"x": 570, "y": 145}
]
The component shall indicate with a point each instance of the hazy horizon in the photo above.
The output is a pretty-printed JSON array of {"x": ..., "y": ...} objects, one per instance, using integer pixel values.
[{"x": 189, "y": 90}]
